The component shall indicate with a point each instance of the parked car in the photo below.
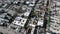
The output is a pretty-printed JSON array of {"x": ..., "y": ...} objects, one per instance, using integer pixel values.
[{"x": 1, "y": 33}]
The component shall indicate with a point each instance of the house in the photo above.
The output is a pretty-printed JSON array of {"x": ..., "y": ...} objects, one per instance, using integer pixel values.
[
  {"x": 3, "y": 21},
  {"x": 3, "y": 15},
  {"x": 58, "y": 3},
  {"x": 11, "y": 12}
]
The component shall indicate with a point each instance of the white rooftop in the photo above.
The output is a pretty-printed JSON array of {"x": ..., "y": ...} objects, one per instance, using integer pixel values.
[
  {"x": 15, "y": 2},
  {"x": 32, "y": 25},
  {"x": 58, "y": 3},
  {"x": 26, "y": 13},
  {"x": 40, "y": 23}
]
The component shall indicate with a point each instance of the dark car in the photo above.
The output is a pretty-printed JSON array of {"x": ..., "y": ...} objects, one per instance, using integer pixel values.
[{"x": 1, "y": 33}]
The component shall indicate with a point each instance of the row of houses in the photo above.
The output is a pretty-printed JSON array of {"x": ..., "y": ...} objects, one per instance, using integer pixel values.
[{"x": 54, "y": 18}]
